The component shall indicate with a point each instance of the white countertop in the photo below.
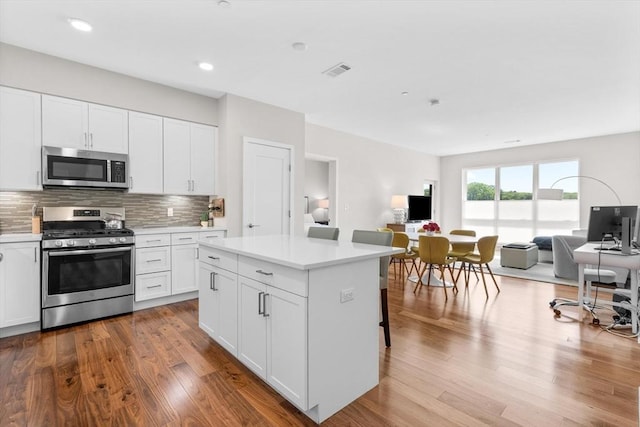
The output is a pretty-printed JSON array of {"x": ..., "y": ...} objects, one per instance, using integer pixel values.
[
  {"x": 302, "y": 253},
  {"x": 186, "y": 229},
  {"x": 20, "y": 237}
]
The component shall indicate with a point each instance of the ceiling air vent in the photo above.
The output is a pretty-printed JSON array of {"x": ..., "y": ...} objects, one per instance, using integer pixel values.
[{"x": 336, "y": 70}]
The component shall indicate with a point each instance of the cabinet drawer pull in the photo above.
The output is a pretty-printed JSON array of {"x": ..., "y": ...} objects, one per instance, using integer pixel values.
[
  {"x": 154, "y": 286},
  {"x": 265, "y": 273},
  {"x": 212, "y": 281},
  {"x": 215, "y": 258},
  {"x": 154, "y": 240},
  {"x": 154, "y": 260},
  {"x": 1, "y": 256},
  {"x": 211, "y": 237},
  {"x": 184, "y": 238}
]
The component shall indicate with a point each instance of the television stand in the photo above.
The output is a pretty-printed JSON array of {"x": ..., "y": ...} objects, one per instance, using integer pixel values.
[{"x": 407, "y": 227}]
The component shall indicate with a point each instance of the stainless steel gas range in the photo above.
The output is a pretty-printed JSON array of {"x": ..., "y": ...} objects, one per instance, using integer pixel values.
[{"x": 87, "y": 265}]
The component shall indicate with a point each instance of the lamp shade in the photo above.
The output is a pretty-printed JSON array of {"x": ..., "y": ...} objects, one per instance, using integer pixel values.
[
  {"x": 550, "y": 193},
  {"x": 556, "y": 194},
  {"x": 399, "y": 202},
  {"x": 323, "y": 203}
]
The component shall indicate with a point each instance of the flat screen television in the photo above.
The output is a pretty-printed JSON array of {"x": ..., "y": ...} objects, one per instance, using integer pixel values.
[
  {"x": 419, "y": 208},
  {"x": 605, "y": 222}
]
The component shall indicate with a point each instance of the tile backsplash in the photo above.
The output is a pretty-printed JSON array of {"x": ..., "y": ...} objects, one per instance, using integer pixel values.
[{"x": 141, "y": 210}]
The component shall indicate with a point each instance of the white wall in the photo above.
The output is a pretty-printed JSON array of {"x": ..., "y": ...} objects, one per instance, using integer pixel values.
[
  {"x": 26, "y": 69},
  {"x": 242, "y": 117},
  {"x": 615, "y": 159},
  {"x": 368, "y": 174}
]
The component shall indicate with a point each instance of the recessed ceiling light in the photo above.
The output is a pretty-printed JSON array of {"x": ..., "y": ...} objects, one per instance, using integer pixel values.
[
  {"x": 299, "y": 46},
  {"x": 405, "y": 93},
  {"x": 433, "y": 102},
  {"x": 205, "y": 66},
  {"x": 79, "y": 24},
  {"x": 224, "y": 3}
]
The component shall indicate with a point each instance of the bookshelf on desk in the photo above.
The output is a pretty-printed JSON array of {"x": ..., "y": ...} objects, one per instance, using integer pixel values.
[{"x": 587, "y": 254}]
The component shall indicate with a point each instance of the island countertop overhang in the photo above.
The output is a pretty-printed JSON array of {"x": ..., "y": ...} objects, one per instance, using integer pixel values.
[{"x": 301, "y": 253}]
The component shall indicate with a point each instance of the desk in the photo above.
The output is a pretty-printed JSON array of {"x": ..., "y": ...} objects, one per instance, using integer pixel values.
[
  {"x": 588, "y": 255},
  {"x": 453, "y": 238}
]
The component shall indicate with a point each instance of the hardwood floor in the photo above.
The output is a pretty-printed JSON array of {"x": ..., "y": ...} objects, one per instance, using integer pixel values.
[{"x": 470, "y": 361}]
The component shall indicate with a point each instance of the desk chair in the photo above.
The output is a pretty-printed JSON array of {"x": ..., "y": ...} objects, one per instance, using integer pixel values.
[
  {"x": 382, "y": 239},
  {"x": 591, "y": 275},
  {"x": 329, "y": 233}
]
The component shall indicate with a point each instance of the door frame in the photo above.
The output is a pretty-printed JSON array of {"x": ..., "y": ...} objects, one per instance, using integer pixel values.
[
  {"x": 332, "y": 185},
  {"x": 258, "y": 141}
]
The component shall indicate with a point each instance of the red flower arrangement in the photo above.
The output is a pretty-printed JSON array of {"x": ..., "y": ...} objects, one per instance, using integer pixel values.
[{"x": 431, "y": 226}]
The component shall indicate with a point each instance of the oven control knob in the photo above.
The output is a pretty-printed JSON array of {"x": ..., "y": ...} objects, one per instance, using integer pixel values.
[
  {"x": 92, "y": 241},
  {"x": 58, "y": 243},
  {"x": 70, "y": 243},
  {"x": 112, "y": 240},
  {"x": 123, "y": 239}
]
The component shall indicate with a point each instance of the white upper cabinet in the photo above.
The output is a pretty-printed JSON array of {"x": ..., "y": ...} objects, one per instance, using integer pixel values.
[
  {"x": 69, "y": 123},
  {"x": 20, "y": 140},
  {"x": 189, "y": 158},
  {"x": 108, "y": 129},
  {"x": 145, "y": 153},
  {"x": 203, "y": 151}
]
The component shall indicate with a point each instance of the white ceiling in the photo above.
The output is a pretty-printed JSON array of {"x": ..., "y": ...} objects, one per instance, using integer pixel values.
[{"x": 533, "y": 71}]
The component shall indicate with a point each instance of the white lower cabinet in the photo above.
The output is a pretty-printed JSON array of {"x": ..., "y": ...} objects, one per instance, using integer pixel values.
[
  {"x": 153, "y": 266},
  {"x": 273, "y": 337},
  {"x": 167, "y": 264},
  {"x": 184, "y": 263},
  {"x": 19, "y": 283},
  {"x": 218, "y": 294}
]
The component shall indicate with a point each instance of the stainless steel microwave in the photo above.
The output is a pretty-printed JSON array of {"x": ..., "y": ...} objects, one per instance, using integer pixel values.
[{"x": 68, "y": 167}]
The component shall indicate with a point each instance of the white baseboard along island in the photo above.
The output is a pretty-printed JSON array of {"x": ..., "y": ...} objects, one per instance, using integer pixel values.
[{"x": 301, "y": 313}]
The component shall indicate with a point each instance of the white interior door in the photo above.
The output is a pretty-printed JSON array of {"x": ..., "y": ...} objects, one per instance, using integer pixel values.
[{"x": 266, "y": 200}]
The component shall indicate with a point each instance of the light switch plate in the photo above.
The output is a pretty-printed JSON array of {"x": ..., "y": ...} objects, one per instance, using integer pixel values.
[{"x": 169, "y": 211}]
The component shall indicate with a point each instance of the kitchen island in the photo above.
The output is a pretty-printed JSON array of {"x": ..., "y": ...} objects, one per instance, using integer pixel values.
[{"x": 300, "y": 313}]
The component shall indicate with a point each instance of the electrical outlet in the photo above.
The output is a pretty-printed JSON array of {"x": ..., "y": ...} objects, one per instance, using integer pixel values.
[
  {"x": 169, "y": 211},
  {"x": 346, "y": 295}
]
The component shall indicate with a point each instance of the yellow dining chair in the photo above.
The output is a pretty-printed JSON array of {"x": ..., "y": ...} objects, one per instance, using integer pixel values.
[
  {"x": 485, "y": 254},
  {"x": 434, "y": 252},
  {"x": 401, "y": 240},
  {"x": 458, "y": 250}
]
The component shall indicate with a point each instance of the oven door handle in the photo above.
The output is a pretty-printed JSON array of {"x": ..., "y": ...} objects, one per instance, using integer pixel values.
[{"x": 90, "y": 251}]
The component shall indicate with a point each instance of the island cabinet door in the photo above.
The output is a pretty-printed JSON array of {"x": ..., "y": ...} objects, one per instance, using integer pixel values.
[
  {"x": 287, "y": 345},
  {"x": 218, "y": 302},
  {"x": 252, "y": 339}
]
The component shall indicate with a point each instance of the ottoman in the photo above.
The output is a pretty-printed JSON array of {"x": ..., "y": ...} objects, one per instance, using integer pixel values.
[{"x": 519, "y": 255}]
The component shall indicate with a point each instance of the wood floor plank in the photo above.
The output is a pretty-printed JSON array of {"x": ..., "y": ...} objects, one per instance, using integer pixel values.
[{"x": 472, "y": 360}]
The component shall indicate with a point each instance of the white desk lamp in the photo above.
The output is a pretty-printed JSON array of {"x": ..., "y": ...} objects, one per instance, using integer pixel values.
[{"x": 399, "y": 203}]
